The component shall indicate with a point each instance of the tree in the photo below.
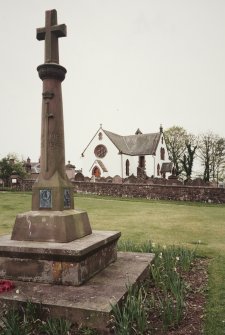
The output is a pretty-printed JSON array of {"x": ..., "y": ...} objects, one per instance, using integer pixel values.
[
  {"x": 11, "y": 165},
  {"x": 188, "y": 158},
  {"x": 176, "y": 138},
  {"x": 211, "y": 152},
  {"x": 218, "y": 160}
]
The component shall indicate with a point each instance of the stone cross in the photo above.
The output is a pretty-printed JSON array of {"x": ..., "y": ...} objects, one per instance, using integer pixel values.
[
  {"x": 53, "y": 217},
  {"x": 50, "y": 33}
]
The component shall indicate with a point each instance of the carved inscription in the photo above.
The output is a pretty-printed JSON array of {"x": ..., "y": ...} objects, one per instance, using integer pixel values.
[{"x": 55, "y": 140}]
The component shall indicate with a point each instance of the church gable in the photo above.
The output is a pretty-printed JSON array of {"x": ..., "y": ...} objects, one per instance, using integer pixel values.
[
  {"x": 110, "y": 154},
  {"x": 100, "y": 156}
]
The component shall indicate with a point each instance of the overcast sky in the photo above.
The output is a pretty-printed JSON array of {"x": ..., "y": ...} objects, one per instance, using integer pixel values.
[{"x": 130, "y": 64}]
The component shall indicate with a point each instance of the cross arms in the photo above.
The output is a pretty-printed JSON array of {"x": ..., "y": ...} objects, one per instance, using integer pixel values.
[{"x": 50, "y": 33}]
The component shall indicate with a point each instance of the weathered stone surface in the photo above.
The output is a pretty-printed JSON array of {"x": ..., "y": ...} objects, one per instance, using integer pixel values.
[
  {"x": 90, "y": 303},
  {"x": 51, "y": 226},
  {"x": 169, "y": 191},
  {"x": 163, "y": 192},
  {"x": 70, "y": 263},
  {"x": 52, "y": 190}
]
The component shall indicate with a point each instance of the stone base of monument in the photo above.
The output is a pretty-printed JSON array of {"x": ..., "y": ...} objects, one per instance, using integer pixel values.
[
  {"x": 91, "y": 303},
  {"x": 71, "y": 263},
  {"x": 51, "y": 226}
]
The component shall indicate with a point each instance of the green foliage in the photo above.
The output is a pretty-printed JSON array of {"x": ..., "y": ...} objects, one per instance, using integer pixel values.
[
  {"x": 129, "y": 245},
  {"x": 170, "y": 303},
  {"x": 171, "y": 300},
  {"x": 87, "y": 331},
  {"x": 25, "y": 320},
  {"x": 12, "y": 323},
  {"x": 131, "y": 318},
  {"x": 31, "y": 314},
  {"x": 11, "y": 165},
  {"x": 55, "y": 326},
  {"x": 175, "y": 138},
  {"x": 171, "y": 310},
  {"x": 211, "y": 151},
  {"x": 166, "y": 273},
  {"x": 188, "y": 158},
  {"x": 215, "y": 308}
]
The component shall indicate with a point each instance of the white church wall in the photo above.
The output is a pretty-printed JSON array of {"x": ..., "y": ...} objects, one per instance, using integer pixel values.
[
  {"x": 112, "y": 160},
  {"x": 158, "y": 159},
  {"x": 150, "y": 165},
  {"x": 133, "y": 163}
]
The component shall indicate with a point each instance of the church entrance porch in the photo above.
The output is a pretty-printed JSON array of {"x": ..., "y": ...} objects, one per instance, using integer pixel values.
[{"x": 96, "y": 172}]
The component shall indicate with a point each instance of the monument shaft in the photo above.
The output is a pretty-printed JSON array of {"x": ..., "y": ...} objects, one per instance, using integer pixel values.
[
  {"x": 53, "y": 217},
  {"x": 52, "y": 132},
  {"x": 53, "y": 191}
]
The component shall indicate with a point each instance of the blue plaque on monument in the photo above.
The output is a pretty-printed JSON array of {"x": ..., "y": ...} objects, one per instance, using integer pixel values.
[
  {"x": 45, "y": 198},
  {"x": 67, "y": 199}
]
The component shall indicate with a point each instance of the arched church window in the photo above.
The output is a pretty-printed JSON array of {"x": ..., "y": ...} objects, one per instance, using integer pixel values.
[
  {"x": 158, "y": 170},
  {"x": 127, "y": 167},
  {"x": 162, "y": 154},
  {"x": 100, "y": 136}
]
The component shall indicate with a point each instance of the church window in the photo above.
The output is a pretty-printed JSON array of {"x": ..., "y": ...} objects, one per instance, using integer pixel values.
[
  {"x": 127, "y": 167},
  {"x": 162, "y": 154},
  {"x": 158, "y": 170},
  {"x": 100, "y": 151},
  {"x": 100, "y": 136},
  {"x": 162, "y": 140}
]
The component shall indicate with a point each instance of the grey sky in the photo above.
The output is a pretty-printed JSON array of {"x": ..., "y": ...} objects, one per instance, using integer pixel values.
[{"x": 131, "y": 64}]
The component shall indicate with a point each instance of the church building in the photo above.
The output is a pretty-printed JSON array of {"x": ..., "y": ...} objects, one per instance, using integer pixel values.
[{"x": 141, "y": 155}]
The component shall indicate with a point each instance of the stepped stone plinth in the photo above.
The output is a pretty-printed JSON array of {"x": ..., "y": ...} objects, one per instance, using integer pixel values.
[{"x": 71, "y": 263}]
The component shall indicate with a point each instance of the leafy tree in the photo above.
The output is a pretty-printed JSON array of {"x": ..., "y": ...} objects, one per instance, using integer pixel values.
[
  {"x": 211, "y": 152},
  {"x": 205, "y": 154},
  {"x": 188, "y": 158},
  {"x": 176, "y": 138},
  {"x": 11, "y": 165},
  {"x": 218, "y": 161}
]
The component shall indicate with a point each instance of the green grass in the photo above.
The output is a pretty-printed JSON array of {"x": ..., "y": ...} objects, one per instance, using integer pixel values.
[
  {"x": 162, "y": 222},
  {"x": 215, "y": 311},
  {"x": 12, "y": 204}
]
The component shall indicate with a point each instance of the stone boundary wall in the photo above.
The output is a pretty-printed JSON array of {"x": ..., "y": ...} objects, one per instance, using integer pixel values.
[
  {"x": 158, "y": 192},
  {"x": 24, "y": 186},
  {"x": 162, "y": 192}
]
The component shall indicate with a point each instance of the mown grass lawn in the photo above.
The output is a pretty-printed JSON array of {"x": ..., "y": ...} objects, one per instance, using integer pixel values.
[{"x": 165, "y": 223}]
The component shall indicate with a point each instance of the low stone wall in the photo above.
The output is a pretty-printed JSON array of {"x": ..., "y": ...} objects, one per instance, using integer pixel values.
[
  {"x": 163, "y": 192},
  {"x": 25, "y": 185},
  {"x": 158, "y": 192}
]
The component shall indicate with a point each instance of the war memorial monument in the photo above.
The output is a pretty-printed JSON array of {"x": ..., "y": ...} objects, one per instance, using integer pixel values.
[{"x": 53, "y": 256}]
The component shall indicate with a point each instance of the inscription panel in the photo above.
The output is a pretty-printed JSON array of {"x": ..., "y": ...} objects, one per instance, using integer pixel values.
[
  {"x": 67, "y": 198},
  {"x": 45, "y": 198}
]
